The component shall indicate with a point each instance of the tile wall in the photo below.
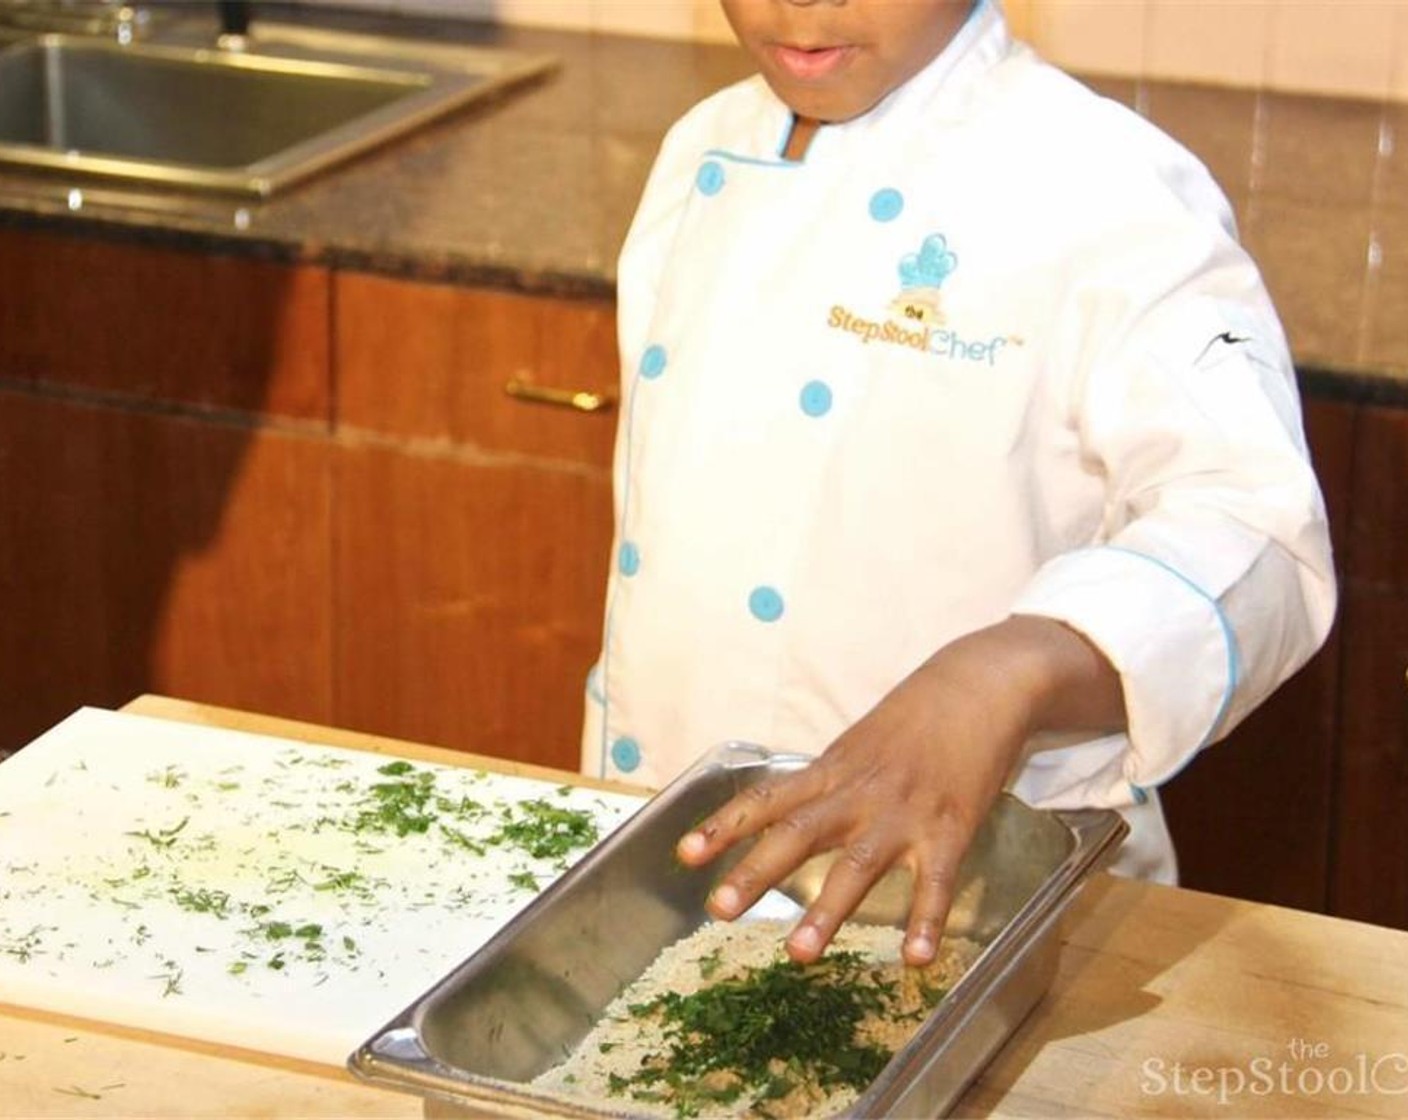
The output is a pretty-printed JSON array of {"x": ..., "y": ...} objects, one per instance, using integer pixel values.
[{"x": 1352, "y": 47}]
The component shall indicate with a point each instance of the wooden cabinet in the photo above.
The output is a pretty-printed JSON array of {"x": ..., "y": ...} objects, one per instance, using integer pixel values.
[
  {"x": 184, "y": 510},
  {"x": 431, "y": 362},
  {"x": 117, "y": 320},
  {"x": 145, "y": 552},
  {"x": 1370, "y": 862},
  {"x": 472, "y": 529},
  {"x": 164, "y": 480}
]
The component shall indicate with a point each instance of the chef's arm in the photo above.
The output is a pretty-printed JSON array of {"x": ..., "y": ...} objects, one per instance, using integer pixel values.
[{"x": 1075, "y": 687}]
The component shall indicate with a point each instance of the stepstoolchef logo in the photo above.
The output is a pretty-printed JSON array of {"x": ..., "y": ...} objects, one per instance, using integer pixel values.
[
  {"x": 915, "y": 318},
  {"x": 1310, "y": 1069}
]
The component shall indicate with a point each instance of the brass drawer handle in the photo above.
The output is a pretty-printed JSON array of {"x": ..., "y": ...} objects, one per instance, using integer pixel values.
[{"x": 579, "y": 399}]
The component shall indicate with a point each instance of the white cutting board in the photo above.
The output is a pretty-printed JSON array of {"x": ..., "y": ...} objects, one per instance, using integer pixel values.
[{"x": 158, "y": 875}]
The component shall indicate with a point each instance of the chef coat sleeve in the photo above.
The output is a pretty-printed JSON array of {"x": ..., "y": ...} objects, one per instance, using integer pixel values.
[{"x": 1211, "y": 580}]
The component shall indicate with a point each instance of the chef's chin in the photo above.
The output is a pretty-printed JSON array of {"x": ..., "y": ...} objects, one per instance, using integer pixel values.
[{"x": 817, "y": 104}]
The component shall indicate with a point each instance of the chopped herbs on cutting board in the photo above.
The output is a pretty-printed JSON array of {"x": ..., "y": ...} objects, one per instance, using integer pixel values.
[{"x": 276, "y": 895}]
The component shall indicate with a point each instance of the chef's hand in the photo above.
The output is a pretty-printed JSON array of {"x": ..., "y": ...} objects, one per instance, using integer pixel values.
[{"x": 910, "y": 783}]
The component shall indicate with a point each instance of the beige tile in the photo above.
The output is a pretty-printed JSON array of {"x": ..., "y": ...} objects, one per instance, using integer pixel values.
[
  {"x": 1333, "y": 46},
  {"x": 1092, "y": 36},
  {"x": 1386, "y": 336},
  {"x": 1215, "y": 123},
  {"x": 1391, "y": 180},
  {"x": 1209, "y": 41},
  {"x": 1317, "y": 149},
  {"x": 1116, "y": 87},
  {"x": 1314, "y": 259}
]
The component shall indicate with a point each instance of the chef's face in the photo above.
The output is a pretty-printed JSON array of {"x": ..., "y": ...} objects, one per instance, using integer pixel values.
[{"x": 831, "y": 60}]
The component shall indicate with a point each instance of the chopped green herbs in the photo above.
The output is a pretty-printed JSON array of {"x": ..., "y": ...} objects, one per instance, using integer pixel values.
[
  {"x": 341, "y": 881},
  {"x": 24, "y": 946},
  {"x": 401, "y": 807},
  {"x": 202, "y": 900},
  {"x": 162, "y": 838},
  {"x": 171, "y": 979},
  {"x": 764, "y": 1034},
  {"x": 410, "y": 804},
  {"x": 400, "y": 766},
  {"x": 462, "y": 840},
  {"x": 170, "y": 778},
  {"x": 546, "y": 831}
]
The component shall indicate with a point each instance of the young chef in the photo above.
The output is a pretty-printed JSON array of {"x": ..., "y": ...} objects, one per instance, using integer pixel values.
[{"x": 960, "y": 447}]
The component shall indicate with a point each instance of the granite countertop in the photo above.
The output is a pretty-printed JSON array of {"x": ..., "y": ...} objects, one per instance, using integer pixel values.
[{"x": 535, "y": 190}]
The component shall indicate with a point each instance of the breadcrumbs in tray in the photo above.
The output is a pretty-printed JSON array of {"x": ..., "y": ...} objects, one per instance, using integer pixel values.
[{"x": 723, "y": 1024}]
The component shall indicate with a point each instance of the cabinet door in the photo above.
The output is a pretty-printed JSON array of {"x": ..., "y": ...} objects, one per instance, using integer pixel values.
[
  {"x": 427, "y": 361},
  {"x": 472, "y": 528},
  {"x": 1252, "y": 816},
  {"x": 142, "y": 323},
  {"x": 150, "y": 553},
  {"x": 469, "y": 600},
  {"x": 1370, "y": 872}
]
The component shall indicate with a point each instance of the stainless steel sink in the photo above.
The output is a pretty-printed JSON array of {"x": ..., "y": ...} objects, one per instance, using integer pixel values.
[{"x": 250, "y": 121}]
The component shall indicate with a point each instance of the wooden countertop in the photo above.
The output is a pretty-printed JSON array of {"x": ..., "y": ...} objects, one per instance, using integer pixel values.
[{"x": 1167, "y": 1002}]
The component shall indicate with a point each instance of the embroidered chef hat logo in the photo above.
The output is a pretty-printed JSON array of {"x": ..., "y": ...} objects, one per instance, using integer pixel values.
[
  {"x": 915, "y": 318},
  {"x": 922, "y": 274}
]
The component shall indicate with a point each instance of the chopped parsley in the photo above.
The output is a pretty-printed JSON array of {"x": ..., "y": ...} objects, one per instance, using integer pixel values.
[
  {"x": 546, "y": 831},
  {"x": 525, "y": 880},
  {"x": 401, "y": 806},
  {"x": 763, "y": 1034}
]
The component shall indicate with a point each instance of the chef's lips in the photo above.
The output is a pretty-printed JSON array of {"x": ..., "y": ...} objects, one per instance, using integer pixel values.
[
  {"x": 835, "y": 62},
  {"x": 810, "y": 64}
]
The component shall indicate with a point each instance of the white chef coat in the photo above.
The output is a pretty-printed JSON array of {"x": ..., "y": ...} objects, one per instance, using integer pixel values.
[{"x": 990, "y": 348}]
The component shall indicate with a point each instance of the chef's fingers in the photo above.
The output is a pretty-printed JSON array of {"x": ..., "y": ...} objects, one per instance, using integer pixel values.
[
  {"x": 935, "y": 880},
  {"x": 747, "y": 814},
  {"x": 859, "y": 864},
  {"x": 782, "y": 848}
]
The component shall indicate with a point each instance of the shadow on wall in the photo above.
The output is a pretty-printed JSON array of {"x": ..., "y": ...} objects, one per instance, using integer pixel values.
[{"x": 134, "y": 386}]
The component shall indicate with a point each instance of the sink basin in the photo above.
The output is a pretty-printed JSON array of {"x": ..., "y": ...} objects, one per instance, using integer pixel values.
[{"x": 249, "y": 121}]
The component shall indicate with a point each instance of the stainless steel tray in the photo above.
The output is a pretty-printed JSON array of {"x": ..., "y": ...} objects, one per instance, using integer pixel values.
[{"x": 520, "y": 1004}]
